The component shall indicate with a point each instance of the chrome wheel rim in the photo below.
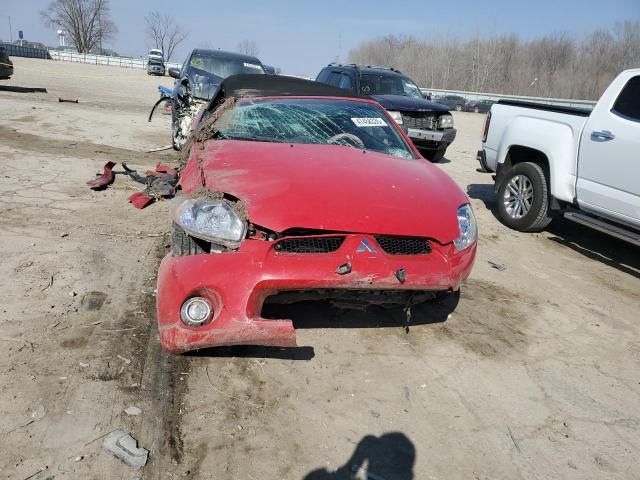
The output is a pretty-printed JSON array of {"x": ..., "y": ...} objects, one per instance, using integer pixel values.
[{"x": 518, "y": 196}]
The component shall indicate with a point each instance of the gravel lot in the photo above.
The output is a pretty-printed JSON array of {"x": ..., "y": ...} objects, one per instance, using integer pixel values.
[{"x": 534, "y": 373}]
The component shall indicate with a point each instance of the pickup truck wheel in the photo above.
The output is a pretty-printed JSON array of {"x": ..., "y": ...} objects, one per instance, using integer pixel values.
[
  {"x": 523, "y": 198},
  {"x": 458, "y": 108}
]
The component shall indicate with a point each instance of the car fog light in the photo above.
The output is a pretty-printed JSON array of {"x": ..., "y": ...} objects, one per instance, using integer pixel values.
[{"x": 195, "y": 311}]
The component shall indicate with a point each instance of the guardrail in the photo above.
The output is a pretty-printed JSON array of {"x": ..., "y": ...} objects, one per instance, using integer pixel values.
[
  {"x": 565, "y": 102},
  {"x": 123, "y": 62}
]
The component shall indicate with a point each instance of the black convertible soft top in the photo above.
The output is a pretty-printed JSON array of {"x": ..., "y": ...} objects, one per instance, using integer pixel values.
[{"x": 252, "y": 86}]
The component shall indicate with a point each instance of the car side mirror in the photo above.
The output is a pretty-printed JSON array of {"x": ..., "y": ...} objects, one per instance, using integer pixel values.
[{"x": 174, "y": 72}]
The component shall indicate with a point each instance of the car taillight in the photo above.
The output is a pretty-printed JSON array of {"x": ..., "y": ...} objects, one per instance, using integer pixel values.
[{"x": 485, "y": 132}]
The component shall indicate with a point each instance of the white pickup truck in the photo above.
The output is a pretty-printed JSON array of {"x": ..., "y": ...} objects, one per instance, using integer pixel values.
[{"x": 552, "y": 160}]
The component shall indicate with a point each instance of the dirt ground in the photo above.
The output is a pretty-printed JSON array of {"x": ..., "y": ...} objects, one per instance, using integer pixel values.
[{"x": 533, "y": 373}]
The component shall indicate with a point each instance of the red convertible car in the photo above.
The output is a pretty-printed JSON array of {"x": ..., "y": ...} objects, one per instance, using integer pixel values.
[{"x": 294, "y": 190}]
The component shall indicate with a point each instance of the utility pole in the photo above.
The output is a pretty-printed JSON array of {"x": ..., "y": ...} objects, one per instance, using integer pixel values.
[
  {"x": 100, "y": 31},
  {"x": 10, "y": 31}
]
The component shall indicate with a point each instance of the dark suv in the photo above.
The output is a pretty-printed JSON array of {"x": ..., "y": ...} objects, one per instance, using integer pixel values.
[
  {"x": 428, "y": 124},
  {"x": 198, "y": 79},
  {"x": 452, "y": 101},
  {"x": 6, "y": 65}
]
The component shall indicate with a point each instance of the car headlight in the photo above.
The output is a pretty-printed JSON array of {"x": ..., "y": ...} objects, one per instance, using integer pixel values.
[
  {"x": 445, "y": 121},
  {"x": 397, "y": 117},
  {"x": 468, "y": 228},
  {"x": 213, "y": 220}
]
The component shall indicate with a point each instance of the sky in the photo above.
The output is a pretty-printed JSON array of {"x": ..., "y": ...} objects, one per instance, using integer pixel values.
[{"x": 302, "y": 36}]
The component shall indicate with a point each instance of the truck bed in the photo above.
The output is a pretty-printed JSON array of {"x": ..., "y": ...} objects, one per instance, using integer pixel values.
[{"x": 581, "y": 112}]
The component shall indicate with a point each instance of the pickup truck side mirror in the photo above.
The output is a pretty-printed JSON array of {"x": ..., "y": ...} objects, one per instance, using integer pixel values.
[{"x": 174, "y": 72}]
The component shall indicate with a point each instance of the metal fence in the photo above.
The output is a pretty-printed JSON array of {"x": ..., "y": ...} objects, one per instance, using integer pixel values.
[
  {"x": 565, "y": 102},
  {"x": 128, "y": 62},
  {"x": 123, "y": 62},
  {"x": 14, "y": 50}
]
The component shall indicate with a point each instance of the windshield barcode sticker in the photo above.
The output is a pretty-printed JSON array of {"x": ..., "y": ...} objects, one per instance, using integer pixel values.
[
  {"x": 252, "y": 65},
  {"x": 369, "y": 122}
]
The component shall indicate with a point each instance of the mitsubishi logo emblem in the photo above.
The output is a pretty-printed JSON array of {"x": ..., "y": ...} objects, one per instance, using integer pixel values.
[{"x": 365, "y": 246}]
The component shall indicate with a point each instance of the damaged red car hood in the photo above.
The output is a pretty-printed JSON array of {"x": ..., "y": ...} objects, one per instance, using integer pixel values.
[{"x": 329, "y": 187}]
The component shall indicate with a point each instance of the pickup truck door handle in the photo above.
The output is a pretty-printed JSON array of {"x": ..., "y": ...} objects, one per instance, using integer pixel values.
[{"x": 603, "y": 136}]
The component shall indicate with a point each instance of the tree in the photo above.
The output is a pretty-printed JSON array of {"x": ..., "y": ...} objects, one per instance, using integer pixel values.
[
  {"x": 88, "y": 22},
  {"x": 555, "y": 65},
  {"x": 164, "y": 33},
  {"x": 248, "y": 47}
]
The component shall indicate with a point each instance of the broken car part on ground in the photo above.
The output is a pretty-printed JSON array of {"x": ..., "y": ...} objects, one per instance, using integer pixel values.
[
  {"x": 160, "y": 183},
  {"x": 268, "y": 210}
]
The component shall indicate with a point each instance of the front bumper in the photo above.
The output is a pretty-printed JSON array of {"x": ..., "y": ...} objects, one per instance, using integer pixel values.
[
  {"x": 431, "y": 138},
  {"x": 6, "y": 70},
  {"x": 237, "y": 284}
]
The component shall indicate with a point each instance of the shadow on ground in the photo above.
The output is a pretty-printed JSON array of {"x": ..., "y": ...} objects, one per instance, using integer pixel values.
[
  {"x": 256, "y": 351},
  {"x": 484, "y": 192},
  {"x": 596, "y": 245},
  {"x": 14, "y": 89},
  {"x": 388, "y": 457},
  {"x": 584, "y": 240}
]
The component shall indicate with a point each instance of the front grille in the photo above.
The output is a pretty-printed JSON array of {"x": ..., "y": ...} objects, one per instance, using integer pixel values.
[
  {"x": 309, "y": 244},
  {"x": 403, "y": 245},
  {"x": 423, "y": 121}
]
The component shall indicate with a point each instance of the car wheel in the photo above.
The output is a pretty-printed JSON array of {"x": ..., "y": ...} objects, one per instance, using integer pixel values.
[
  {"x": 183, "y": 244},
  {"x": 434, "y": 156},
  {"x": 523, "y": 198},
  {"x": 476, "y": 110},
  {"x": 458, "y": 108}
]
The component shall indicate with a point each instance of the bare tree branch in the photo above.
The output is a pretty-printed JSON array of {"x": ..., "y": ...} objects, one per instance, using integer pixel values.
[
  {"x": 164, "y": 33},
  {"x": 552, "y": 65},
  {"x": 88, "y": 22},
  {"x": 248, "y": 47}
]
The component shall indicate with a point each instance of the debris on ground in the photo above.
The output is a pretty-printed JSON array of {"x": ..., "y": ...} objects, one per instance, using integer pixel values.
[
  {"x": 125, "y": 448},
  {"x": 105, "y": 179},
  {"x": 50, "y": 284},
  {"x": 40, "y": 470},
  {"x": 498, "y": 266},
  {"x": 160, "y": 183},
  {"x": 140, "y": 200},
  {"x": 133, "y": 411},
  {"x": 66, "y": 100},
  {"x": 125, "y": 360},
  {"x": 160, "y": 149}
]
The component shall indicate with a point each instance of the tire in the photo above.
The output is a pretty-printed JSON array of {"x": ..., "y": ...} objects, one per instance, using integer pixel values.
[
  {"x": 434, "y": 156},
  {"x": 523, "y": 198},
  {"x": 458, "y": 108},
  {"x": 476, "y": 110},
  {"x": 483, "y": 164},
  {"x": 183, "y": 244}
]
